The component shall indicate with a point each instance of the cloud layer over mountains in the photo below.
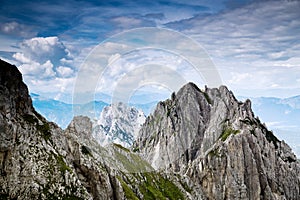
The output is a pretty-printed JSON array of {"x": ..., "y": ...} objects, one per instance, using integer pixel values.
[{"x": 253, "y": 43}]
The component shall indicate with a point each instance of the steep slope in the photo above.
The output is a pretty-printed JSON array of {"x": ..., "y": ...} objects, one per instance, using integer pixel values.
[
  {"x": 176, "y": 132},
  {"x": 127, "y": 175},
  {"x": 32, "y": 154},
  {"x": 118, "y": 123},
  {"x": 38, "y": 160},
  {"x": 218, "y": 143}
]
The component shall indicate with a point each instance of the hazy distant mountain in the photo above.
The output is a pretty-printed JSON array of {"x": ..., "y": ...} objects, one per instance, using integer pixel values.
[
  {"x": 62, "y": 113},
  {"x": 294, "y": 102},
  {"x": 275, "y": 112},
  {"x": 55, "y": 111},
  {"x": 118, "y": 123}
]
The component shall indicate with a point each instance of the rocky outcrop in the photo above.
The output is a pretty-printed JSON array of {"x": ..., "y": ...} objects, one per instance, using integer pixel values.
[
  {"x": 175, "y": 131},
  {"x": 14, "y": 98},
  {"x": 217, "y": 142},
  {"x": 33, "y": 162},
  {"x": 115, "y": 172}
]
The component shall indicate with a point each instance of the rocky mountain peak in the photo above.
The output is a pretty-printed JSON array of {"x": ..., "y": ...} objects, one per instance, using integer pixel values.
[
  {"x": 14, "y": 98},
  {"x": 189, "y": 123},
  {"x": 217, "y": 141}
]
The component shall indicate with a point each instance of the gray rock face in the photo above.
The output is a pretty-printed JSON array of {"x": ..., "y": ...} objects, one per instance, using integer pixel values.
[
  {"x": 33, "y": 154},
  {"x": 218, "y": 143},
  {"x": 14, "y": 101},
  {"x": 176, "y": 131}
]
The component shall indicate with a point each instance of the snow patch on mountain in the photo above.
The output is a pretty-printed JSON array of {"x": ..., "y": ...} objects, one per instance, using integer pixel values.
[{"x": 118, "y": 123}]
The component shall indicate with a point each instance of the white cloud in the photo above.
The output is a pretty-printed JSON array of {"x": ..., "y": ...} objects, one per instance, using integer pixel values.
[
  {"x": 286, "y": 112},
  {"x": 254, "y": 46},
  {"x": 9, "y": 27},
  {"x": 126, "y": 22},
  {"x": 55, "y": 85},
  {"x": 140, "y": 65},
  {"x": 41, "y": 45},
  {"x": 41, "y": 57},
  {"x": 21, "y": 58},
  {"x": 238, "y": 78},
  {"x": 260, "y": 28},
  {"x": 293, "y": 62},
  {"x": 32, "y": 69},
  {"x": 46, "y": 64},
  {"x": 113, "y": 58},
  {"x": 274, "y": 85},
  {"x": 17, "y": 29},
  {"x": 41, "y": 49},
  {"x": 64, "y": 71}
]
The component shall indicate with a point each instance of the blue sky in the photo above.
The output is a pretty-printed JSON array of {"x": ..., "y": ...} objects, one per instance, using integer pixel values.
[{"x": 254, "y": 45}]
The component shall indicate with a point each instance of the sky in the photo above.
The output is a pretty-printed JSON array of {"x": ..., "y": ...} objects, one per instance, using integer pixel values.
[{"x": 252, "y": 46}]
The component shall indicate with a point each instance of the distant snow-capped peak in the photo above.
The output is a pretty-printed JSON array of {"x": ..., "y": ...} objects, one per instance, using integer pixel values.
[{"x": 118, "y": 123}]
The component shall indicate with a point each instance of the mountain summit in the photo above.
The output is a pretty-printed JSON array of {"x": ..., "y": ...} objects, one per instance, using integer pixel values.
[{"x": 217, "y": 141}]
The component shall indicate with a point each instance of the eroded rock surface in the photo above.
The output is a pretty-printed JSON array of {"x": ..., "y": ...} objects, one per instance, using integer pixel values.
[{"x": 220, "y": 145}]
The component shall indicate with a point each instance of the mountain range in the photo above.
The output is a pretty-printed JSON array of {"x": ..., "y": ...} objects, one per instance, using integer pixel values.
[
  {"x": 199, "y": 144},
  {"x": 62, "y": 113},
  {"x": 280, "y": 115}
]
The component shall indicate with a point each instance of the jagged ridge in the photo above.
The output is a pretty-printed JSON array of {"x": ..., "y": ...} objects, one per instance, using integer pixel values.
[{"x": 218, "y": 143}]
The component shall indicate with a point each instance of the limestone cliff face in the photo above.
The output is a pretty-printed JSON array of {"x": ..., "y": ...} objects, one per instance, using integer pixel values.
[
  {"x": 185, "y": 126},
  {"x": 217, "y": 142},
  {"x": 14, "y": 102}
]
